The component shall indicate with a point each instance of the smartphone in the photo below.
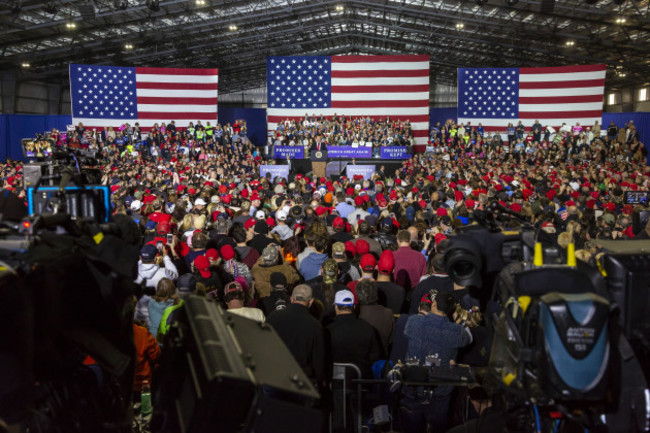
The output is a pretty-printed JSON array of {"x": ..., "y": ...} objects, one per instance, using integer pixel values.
[
  {"x": 159, "y": 245},
  {"x": 170, "y": 238}
]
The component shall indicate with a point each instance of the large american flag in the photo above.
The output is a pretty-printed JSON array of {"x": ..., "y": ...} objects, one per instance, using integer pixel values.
[
  {"x": 495, "y": 97},
  {"x": 396, "y": 87},
  {"x": 103, "y": 96}
]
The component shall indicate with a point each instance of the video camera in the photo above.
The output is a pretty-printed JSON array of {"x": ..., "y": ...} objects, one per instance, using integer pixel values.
[
  {"x": 67, "y": 353},
  {"x": 561, "y": 328}
]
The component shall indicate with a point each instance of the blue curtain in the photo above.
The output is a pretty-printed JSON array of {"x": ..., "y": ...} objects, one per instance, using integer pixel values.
[
  {"x": 255, "y": 121},
  {"x": 14, "y": 127},
  {"x": 641, "y": 122},
  {"x": 441, "y": 115}
]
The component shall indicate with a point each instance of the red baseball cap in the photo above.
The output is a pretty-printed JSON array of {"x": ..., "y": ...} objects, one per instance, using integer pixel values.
[
  {"x": 439, "y": 238},
  {"x": 386, "y": 262},
  {"x": 358, "y": 201},
  {"x": 250, "y": 223},
  {"x": 350, "y": 248},
  {"x": 338, "y": 222},
  {"x": 362, "y": 247},
  {"x": 202, "y": 264},
  {"x": 163, "y": 228},
  {"x": 212, "y": 254},
  {"x": 368, "y": 262},
  {"x": 227, "y": 252}
]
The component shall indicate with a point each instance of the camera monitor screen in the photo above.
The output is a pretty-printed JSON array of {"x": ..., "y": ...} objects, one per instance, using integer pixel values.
[
  {"x": 37, "y": 148},
  {"x": 636, "y": 197}
]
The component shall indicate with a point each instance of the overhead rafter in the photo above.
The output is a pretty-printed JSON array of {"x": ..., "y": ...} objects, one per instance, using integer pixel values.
[{"x": 183, "y": 33}]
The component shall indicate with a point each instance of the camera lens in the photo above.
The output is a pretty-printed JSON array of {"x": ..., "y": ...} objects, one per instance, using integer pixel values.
[
  {"x": 461, "y": 269},
  {"x": 463, "y": 261}
]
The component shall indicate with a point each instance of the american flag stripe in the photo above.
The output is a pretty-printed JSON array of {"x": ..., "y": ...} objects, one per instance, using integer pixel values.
[
  {"x": 156, "y": 95},
  {"x": 396, "y": 87},
  {"x": 552, "y": 95}
]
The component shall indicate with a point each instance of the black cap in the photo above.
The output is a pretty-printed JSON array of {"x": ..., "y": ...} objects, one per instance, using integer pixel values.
[
  {"x": 186, "y": 283},
  {"x": 261, "y": 227},
  {"x": 278, "y": 280}
]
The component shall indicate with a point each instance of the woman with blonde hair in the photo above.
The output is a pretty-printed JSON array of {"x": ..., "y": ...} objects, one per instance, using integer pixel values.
[
  {"x": 186, "y": 224},
  {"x": 199, "y": 222}
]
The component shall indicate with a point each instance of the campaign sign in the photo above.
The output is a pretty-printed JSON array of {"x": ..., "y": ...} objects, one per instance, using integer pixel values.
[
  {"x": 395, "y": 152},
  {"x": 349, "y": 152},
  {"x": 275, "y": 170},
  {"x": 365, "y": 170},
  {"x": 293, "y": 152}
]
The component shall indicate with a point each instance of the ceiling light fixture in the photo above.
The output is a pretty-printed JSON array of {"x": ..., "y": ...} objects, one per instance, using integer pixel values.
[
  {"x": 620, "y": 20},
  {"x": 232, "y": 27},
  {"x": 339, "y": 8},
  {"x": 71, "y": 25},
  {"x": 26, "y": 65},
  {"x": 570, "y": 43},
  {"x": 460, "y": 26},
  {"x": 128, "y": 46},
  {"x": 199, "y": 2}
]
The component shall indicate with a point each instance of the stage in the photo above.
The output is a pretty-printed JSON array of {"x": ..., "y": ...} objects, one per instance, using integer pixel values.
[{"x": 336, "y": 167}]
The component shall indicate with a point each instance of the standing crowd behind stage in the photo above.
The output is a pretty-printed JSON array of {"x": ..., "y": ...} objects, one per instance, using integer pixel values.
[
  {"x": 330, "y": 263},
  {"x": 343, "y": 131}
]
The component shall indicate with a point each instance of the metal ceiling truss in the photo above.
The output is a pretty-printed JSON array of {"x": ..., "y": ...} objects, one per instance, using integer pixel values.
[{"x": 237, "y": 35}]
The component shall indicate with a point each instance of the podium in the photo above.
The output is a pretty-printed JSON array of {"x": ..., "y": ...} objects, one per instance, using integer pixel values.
[{"x": 318, "y": 162}]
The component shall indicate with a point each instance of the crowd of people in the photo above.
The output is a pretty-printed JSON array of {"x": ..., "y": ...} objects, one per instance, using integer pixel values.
[
  {"x": 343, "y": 131},
  {"x": 351, "y": 270},
  {"x": 522, "y": 141}
]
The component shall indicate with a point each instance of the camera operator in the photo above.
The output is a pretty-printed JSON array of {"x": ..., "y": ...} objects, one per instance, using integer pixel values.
[{"x": 429, "y": 334}]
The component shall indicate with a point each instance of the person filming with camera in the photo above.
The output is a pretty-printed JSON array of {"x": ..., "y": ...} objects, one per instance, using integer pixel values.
[{"x": 432, "y": 333}]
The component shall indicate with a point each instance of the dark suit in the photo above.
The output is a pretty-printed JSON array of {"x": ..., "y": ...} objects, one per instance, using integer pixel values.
[
  {"x": 316, "y": 147},
  {"x": 304, "y": 337},
  {"x": 318, "y": 167},
  {"x": 353, "y": 340}
]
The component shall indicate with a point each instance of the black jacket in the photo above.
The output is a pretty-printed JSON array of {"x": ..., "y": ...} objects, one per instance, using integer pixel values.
[
  {"x": 391, "y": 295},
  {"x": 259, "y": 242},
  {"x": 303, "y": 335},
  {"x": 352, "y": 340}
]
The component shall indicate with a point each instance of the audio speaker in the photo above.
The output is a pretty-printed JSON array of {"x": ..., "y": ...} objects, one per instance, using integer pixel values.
[{"x": 226, "y": 373}]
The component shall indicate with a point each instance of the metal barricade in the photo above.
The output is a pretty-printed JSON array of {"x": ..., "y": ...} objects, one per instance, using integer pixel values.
[{"x": 340, "y": 373}]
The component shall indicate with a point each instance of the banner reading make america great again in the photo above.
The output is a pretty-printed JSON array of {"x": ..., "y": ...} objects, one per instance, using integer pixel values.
[{"x": 349, "y": 152}]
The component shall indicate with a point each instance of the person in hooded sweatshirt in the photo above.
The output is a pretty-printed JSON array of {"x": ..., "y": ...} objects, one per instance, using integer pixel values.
[{"x": 149, "y": 274}]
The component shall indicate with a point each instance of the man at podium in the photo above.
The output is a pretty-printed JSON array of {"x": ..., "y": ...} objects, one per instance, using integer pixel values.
[{"x": 318, "y": 156}]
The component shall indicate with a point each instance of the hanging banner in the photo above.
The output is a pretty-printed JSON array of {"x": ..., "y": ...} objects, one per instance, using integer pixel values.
[
  {"x": 395, "y": 152},
  {"x": 293, "y": 152},
  {"x": 364, "y": 170},
  {"x": 275, "y": 170}
]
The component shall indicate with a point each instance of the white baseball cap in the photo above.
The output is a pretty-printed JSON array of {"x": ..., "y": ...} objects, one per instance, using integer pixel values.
[
  {"x": 260, "y": 215},
  {"x": 199, "y": 202},
  {"x": 281, "y": 216},
  {"x": 136, "y": 205},
  {"x": 344, "y": 297}
]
